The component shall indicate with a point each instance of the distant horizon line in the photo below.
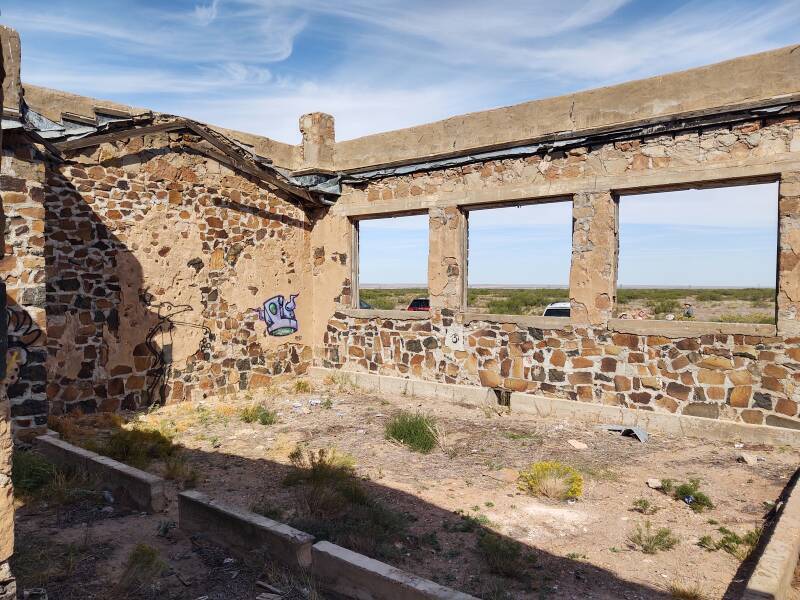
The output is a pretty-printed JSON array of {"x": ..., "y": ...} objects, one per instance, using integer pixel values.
[{"x": 554, "y": 286}]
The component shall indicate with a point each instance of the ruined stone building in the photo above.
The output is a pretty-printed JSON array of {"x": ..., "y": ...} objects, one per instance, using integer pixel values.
[{"x": 149, "y": 258}]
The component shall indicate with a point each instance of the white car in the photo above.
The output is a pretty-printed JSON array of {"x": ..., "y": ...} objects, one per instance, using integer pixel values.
[{"x": 557, "y": 309}]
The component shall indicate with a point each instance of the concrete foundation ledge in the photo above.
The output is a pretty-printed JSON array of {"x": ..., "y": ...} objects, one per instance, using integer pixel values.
[
  {"x": 389, "y": 384},
  {"x": 774, "y": 571},
  {"x": 143, "y": 490},
  {"x": 682, "y": 425},
  {"x": 542, "y": 406},
  {"x": 243, "y": 531},
  {"x": 356, "y": 576}
]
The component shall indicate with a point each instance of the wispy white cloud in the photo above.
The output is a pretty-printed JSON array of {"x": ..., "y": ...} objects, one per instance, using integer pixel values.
[{"x": 205, "y": 14}]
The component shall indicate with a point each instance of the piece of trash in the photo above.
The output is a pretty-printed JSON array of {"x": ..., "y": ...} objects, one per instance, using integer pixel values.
[
  {"x": 315, "y": 402},
  {"x": 577, "y": 445},
  {"x": 228, "y": 561},
  {"x": 738, "y": 445},
  {"x": 107, "y": 510},
  {"x": 297, "y": 405},
  {"x": 108, "y": 497},
  {"x": 654, "y": 484},
  {"x": 637, "y": 432},
  {"x": 688, "y": 500},
  {"x": 748, "y": 459},
  {"x": 571, "y": 501},
  {"x": 35, "y": 594}
]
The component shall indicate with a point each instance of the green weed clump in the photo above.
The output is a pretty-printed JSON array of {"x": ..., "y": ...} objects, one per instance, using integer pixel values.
[
  {"x": 414, "y": 430},
  {"x": 644, "y": 506},
  {"x": 551, "y": 479},
  {"x": 333, "y": 504},
  {"x": 502, "y": 555},
  {"x": 136, "y": 447},
  {"x": 738, "y": 546},
  {"x": 177, "y": 468},
  {"x": 689, "y": 493},
  {"x": 680, "y": 591},
  {"x": 30, "y": 472},
  {"x": 651, "y": 542},
  {"x": 301, "y": 386},
  {"x": 258, "y": 413},
  {"x": 762, "y": 318},
  {"x": 143, "y": 567}
]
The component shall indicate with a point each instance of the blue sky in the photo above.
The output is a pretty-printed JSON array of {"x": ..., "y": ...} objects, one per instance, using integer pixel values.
[{"x": 257, "y": 65}]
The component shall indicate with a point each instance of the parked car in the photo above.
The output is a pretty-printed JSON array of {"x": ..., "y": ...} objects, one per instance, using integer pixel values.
[
  {"x": 557, "y": 309},
  {"x": 420, "y": 304},
  {"x": 362, "y": 304}
]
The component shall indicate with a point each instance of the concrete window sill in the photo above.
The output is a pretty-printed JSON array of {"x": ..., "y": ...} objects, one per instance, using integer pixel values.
[
  {"x": 374, "y": 313},
  {"x": 678, "y": 329},
  {"x": 535, "y": 321}
]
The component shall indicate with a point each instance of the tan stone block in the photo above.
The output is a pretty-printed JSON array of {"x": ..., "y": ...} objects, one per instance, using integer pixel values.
[
  {"x": 752, "y": 416},
  {"x": 740, "y": 377},
  {"x": 774, "y": 370},
  {"x": 558, "y": 358},
  {"x": 740, "y": 396},
  {"x": 715, "y": 393},
  {"x": 622, "y": 383},
  {"x": 489, "y": 378},
  {"x": 517, "y": 385},
  {"x": 711, "y": 377},
  {"x": 654, "y": 383},
  {"x": 716, "y": 362}
]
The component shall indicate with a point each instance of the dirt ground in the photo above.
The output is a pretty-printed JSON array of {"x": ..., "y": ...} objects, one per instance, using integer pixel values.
[{"x": 452, "y": 495}]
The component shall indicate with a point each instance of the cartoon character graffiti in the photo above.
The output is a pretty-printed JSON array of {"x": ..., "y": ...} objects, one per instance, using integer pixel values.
[
  {"x": 22, "y": 333},
  {"x": 278, "y": 315}
]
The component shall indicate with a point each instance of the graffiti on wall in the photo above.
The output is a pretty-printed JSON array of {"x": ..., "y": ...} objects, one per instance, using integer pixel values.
[
  {"x": 22, "y": 334},
  {"x": 278, "y": 315},
  {"x": 159, "y": 342}
]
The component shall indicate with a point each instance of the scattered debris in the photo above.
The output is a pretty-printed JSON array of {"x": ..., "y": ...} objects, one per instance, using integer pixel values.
[
  {"x": 637, "y": 432},
  {"x": 35, "y": 594},
  {"x": 268, "y": 587},
  {"x": 578, "y": 445},
  {"x": 748, "y": 459},
  {"x": 654, "y": 484}
]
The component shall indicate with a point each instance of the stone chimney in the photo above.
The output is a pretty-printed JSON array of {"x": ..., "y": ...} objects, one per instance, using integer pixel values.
[
  {"x": 12, "y": 86},
  {"x": 319, "y": 140}
]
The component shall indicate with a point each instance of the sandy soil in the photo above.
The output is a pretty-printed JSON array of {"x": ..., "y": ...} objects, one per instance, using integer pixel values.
[{"x": 581, "y": 549}]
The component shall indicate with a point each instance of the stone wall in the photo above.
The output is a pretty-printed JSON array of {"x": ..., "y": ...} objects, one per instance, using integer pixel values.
[
  {"x": 738, "y": 372},
  {"x": 7, "y": 584},
  {"x": 157, "y": 258},
  {"x": 23, "y": 270}
]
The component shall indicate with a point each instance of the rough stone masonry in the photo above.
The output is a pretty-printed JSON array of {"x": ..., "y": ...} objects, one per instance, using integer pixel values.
[{"x": 153, "y": 259}]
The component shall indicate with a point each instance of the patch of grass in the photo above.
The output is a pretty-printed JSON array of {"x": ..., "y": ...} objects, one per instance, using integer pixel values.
[
  {"x": 577, "y": 556},
  {"x": 502, "y": 555},
  {"x": 176, "y": 468},
  {"x": 644, "y": 506},
  {"x": 389, "y": 299},
  {"x": 301, "y": 386},
  {"x": 259, "y": 413},
  {"x": 661, "y": 307},
  {"x": 333, "y": 504},
  {"x": 36, "y": 478},
  {"x": 266, "y": 509},
  {"x": 327, "y": 404},
  {"x": 37, "y": 561},
  {"x": 30, "y": 472},
  {"x": 651, "y": 542},
  {"x": 143, "y": 567},
  {"x": 764, "y": 318},
  {"x": 737, "y": 546},
  {"x": 136, "y": 447},
  {"x": 551, "y": 479},
  {"x": 414, "y": 430},
  {"x": 689, "y": 493},
  {"x": 680, "y": 591}
]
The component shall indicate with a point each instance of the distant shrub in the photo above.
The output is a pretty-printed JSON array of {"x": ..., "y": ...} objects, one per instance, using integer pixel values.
[
  {"x": 136, "y": 447},
  {"x": 301, "y": 386},
  {"x": 502, "y": 555},
  {"x": 551, "y": 479}
]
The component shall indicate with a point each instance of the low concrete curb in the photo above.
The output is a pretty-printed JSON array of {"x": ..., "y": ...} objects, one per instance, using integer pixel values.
[
  {"x": 244, "y": 531},
  {"x": 143, "y": 490},
  {"x": 336, "y": 569},
  {"x": 356, "y": 576},
  {"x": 587, "y": 412},
  {"x": 774, "y": 571}
]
